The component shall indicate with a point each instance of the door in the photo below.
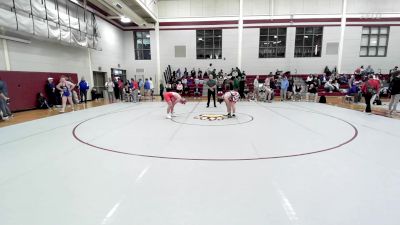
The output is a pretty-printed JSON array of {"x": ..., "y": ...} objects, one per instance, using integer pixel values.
[{"x": 99, "y": 80}]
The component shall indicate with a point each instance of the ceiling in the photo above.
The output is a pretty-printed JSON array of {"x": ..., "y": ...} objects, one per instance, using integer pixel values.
[{"x": 112, "y": 10}]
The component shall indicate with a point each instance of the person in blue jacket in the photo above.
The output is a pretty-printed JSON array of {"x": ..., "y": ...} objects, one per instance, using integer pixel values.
[
  {"x": 284, "y": 87},
  {"x": 83, "y": 89}
]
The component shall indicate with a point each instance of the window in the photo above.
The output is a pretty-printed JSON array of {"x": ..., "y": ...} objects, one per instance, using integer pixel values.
[
  {"x": 209, "y": 44},
  {"x": 272, "y": 43},
  {"x": 142, "y": 45},
  {"x": 374, "y": 41},
  {"x": 308, "y": 42}
]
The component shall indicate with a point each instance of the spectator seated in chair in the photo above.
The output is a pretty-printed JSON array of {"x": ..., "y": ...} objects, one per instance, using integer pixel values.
[
  {"x": 95, "y": 95},
  {"x": 179, "y": 87},
  {"x": 42, "y": 101}
]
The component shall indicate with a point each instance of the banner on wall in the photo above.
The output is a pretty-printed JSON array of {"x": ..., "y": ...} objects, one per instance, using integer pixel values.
[
  {"x": 7, "y": 19},
  {"x": 40, "y": 27},
  {"x": 65, "y": 34},
  {"x": 54, "y": 19},
  {"x": 25, "y": 23},
  {"x": 54, "y": 31},
  {"x": 38, "y": 8}
]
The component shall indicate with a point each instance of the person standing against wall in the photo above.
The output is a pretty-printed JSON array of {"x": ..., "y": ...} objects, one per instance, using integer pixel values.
[
  {"x": 110, "y": 90},
  {"x": 4, "y": 100},
  {"x": 211, "y": 84},
  {"x": 394, "y": 92},
  {"x": 162, "y": 90},
  {"x": 151, "y": 88},
  {"x": 284, "y": 87},
  {"x": 83, "y": 89},
  {"x": 255, "y": 84}
]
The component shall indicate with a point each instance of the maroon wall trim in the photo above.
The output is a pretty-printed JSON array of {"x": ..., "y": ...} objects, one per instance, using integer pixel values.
[
  {"x": 24, "y": 86},
  {"x": 311, "y": 20},
  {"x": 200, "y": 28},
  {"x": 194, "y": 23},
  {"x": 373, "y": 19}
]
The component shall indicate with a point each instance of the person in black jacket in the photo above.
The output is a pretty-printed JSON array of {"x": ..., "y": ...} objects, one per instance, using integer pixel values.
[{"x": 394, "y": 92}]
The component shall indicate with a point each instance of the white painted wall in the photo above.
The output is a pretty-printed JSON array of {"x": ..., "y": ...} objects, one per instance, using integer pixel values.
[
  {"x": 367, "y": 6},
  {"x": 149, "y": 66},
  {"x": 113, "y": 51},
  {"x": 351, "y": 51},
  {"x": 254, "y": 65},
  {"x": 197, "y": 8},
  {"x": 2, "y": 59},
  {"x": 169, "y": 39},
  {"x": 46, "y": 56}
]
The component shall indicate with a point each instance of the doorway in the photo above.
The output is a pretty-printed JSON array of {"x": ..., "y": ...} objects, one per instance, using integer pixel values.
[{"x": 99, "y": 81}]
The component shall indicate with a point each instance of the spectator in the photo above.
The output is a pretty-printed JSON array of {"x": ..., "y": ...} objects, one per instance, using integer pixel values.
[
  {"x": 94, "y": 94},
  {"x": 135, "y": 92},
  {"x": 377, "y": 82},
  {"x": 309, "y": 79},
  {"x": 110, "y": 86},
  {"x": 290, "y": 88},
  {"x": 179, "y": 87},
  {"x": 297, "y": 90},
  {"x": 146, "y": 88},
  {"x": 242, "y": 83},
  {"x": 66, "y": 87},
  {"x": 369, "y": 88},
  {"x": 54, "y": 99},
  {"x": 152, "y": 87},
  {"x": 394, "y": 92},
  {"x": 355, "y": 91},
  {"x": 185, "y": 73},
  {"x": 116, "y": 89},
  {"x": 162, "y": 90},
  {"x": 42, "y": 102},
  {"x": 211, "y": 84},
  {"x": 4, "y": 100},
  {"x": 330, "y": 87},
  {"x": 369, "y": 70},
  {"x": 210, "y": 69},
  {"x": 312, "y": 90},
  {"x": 120, "y": 88},
  {"x": 256, "y": 87},
  {"x": 192, "y": 73},
  {"x": 359, "y": 70},
  {"x": 83, "y": 89},
  {"x": 284, "y": 87},
  {"x": 268, "y": 90}
]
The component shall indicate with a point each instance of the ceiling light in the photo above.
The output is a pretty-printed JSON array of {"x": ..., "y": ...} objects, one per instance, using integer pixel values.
[{"x": 125, "y": 19}]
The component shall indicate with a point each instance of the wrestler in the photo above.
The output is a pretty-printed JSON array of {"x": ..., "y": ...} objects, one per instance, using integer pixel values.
[{"x": 171, "y": 98}]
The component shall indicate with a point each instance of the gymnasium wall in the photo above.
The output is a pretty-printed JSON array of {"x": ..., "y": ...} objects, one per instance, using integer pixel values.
[
  {"x": 252, "y": 64},
  {"x": 197, "y": 8},
  {"x": 2, "y": 60},
  {"x": 351, "y": 58},
  {"x": 50, "y": 56},
  {"x": 113, "y": 51},
  {"x": 223, "y": 8},
  {"x": 171, "y": 38},
  {"x": 135, "y": 67}
]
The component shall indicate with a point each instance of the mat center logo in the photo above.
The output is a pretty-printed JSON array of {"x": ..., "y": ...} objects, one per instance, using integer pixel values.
[{"x": 210, "y": 117}]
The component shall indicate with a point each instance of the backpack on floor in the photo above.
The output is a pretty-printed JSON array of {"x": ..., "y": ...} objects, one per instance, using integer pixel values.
[
  {"x": 377, "y": 101},
  {"x": 322, "y": 99}
]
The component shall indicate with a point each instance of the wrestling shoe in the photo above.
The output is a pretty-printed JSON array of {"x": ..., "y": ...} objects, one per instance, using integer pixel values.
[{"x": 169, "y": 116}]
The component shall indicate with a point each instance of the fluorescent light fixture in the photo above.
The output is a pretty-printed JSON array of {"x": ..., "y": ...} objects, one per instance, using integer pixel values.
[{"x": 125, "y": 19}]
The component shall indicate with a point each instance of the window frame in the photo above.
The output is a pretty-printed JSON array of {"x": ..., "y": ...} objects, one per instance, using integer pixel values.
[
  {"x": 215, "y": 40},
  {"x": 139, "y": 52},
  {"x": 264, "y": 37},
  {"x": 312, "y": 46},
  {"x": 368, "y": 46}
]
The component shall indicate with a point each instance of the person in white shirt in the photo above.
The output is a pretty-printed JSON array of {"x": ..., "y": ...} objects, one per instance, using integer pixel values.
[
  {"x": 151, "y": 88},
  {"x": 110, "y": 90},
  {"x": 255, "y": 84}
]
